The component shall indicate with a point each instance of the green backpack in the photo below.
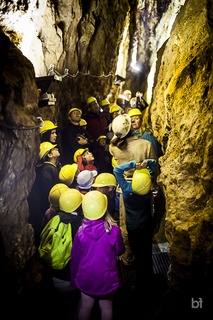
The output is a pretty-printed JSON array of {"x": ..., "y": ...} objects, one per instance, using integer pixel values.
[{"x": 56, "y": 243}]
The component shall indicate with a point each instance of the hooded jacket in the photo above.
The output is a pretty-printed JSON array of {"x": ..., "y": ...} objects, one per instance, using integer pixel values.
[{"x": 93, "y": 264}]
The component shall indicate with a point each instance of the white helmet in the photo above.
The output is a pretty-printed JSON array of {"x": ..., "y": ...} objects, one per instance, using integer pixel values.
[
  {"x": 121, "y": 125},
  {"x": 85, "y": 178}
]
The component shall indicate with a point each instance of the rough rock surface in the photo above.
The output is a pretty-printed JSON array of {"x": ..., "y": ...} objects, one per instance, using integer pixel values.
[{"x": 180, "y": 114}]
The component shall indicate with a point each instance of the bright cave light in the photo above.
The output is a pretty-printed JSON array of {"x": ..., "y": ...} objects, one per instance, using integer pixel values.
[{"x": 134, "y": 65}]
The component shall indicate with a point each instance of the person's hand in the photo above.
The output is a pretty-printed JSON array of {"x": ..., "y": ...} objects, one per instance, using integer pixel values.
[
  {"x": 140, "y": 165},
  {"x": 144, "y": 164}
]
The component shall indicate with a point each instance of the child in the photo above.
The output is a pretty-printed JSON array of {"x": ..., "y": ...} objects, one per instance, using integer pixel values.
[
  {"x": 70, "y": 212},
  {"x": 103, "y": 157},
  {"x": 85, "y": 180},
  {"x": 48, "y": 171},
  {"x": 68, "y": 174},
  {"x": 97, "y": 245},
  {"x": 106, "y": 183},
  {"x": 48, "y": 131},
  {"x": 84, "y": 159},
  {"x": 47, "y": 175},
  {"x": 54, "y": 195}
]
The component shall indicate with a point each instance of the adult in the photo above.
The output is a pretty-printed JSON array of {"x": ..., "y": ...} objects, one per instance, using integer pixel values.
[
  {"x": 73, "y": 136},
  {"x": 114, "y": 111},
  {"x": 138, "y": 129},
  {"x": 137, "y": 197},
  {"x": 103, "y": 156},
  {"x": 96, "y": 123},
  {"x": 105, "y": 107},
  {"x": 128, "y": 94},
  {"x": 145, "y": 133},
  {"x": 125, "y": 147}
]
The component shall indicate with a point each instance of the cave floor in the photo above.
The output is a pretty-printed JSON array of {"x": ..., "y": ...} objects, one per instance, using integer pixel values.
[
  {"x": 57, "y": 300},
  {"x": 62, "y": 301}
]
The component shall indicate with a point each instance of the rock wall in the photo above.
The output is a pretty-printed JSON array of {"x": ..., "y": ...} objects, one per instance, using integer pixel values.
[
  {"x": 181, "y": 114},
  {"x": 19, "y": 146}
]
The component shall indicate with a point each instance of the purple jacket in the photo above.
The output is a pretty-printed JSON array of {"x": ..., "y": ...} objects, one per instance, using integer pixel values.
[{"x": 93, "y": 264}]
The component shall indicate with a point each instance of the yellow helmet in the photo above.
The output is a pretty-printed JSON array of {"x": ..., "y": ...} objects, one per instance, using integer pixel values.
[
  {"x": 74, "y": 109},
  {"x": 91, "y": 99},
  {"x": 114, "y": 162},
  {"x": 134, "y": 112},
  {"x": 121, "y": 125},
  {"x": 45, "y": 147},
  {"x": 94, "y": 205},
  {"x": 105, "y": 102},
  {"x": 114, "y": 108},
  {"x": 67, "y": 173},
  {"x": 127, "y": 93},
  {"x": 141, "y": 181},
  {"x": 101, "y": 137},
  {"x": 105, "y": 179},
  {"x": 55, "y": 193},
  {"x": 46, "y": 126},
  {"x": 70, "y": 200},
  {"x": 78, "y": 152},
  {"x": 82, "y": 122}
]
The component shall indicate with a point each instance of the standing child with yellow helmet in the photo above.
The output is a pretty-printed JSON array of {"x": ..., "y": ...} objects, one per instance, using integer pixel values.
[
  {"x": 96, "y": 247},
  {"x": 54, "y": 195},
  {"x": 48, "y": 131},
  {"x": 47, "y": 175},
  {"x": 106, "y": 183},
  {"x": 57, "y": 235},
  {"x": 68, "y": 174}
]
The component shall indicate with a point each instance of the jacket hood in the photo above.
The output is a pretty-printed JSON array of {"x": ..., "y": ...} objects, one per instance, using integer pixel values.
[{"x": 94, "y": 229}]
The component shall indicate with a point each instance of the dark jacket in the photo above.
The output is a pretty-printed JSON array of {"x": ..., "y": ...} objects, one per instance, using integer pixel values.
[
  {"x": 96, "y": 124},
  {"x": 47, "y": 175},
  {"x": 70, "y": 139}
]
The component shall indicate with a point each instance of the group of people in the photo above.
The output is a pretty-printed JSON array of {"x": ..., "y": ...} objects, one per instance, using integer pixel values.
[{"x": 99, "y": 171}]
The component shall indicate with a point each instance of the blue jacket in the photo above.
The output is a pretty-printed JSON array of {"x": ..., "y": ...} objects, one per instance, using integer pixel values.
[
  {"x": 93, "y": 264},
  {"x": 138, "y": 208}
]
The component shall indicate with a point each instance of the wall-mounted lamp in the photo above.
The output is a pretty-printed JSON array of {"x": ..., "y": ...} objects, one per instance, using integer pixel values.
[
  {"x": 47, "y": 86},
  {"x": 118, "y": 80}
]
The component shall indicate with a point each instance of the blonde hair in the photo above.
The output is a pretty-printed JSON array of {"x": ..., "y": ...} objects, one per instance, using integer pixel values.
[{"x": 109, "y": 222}]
